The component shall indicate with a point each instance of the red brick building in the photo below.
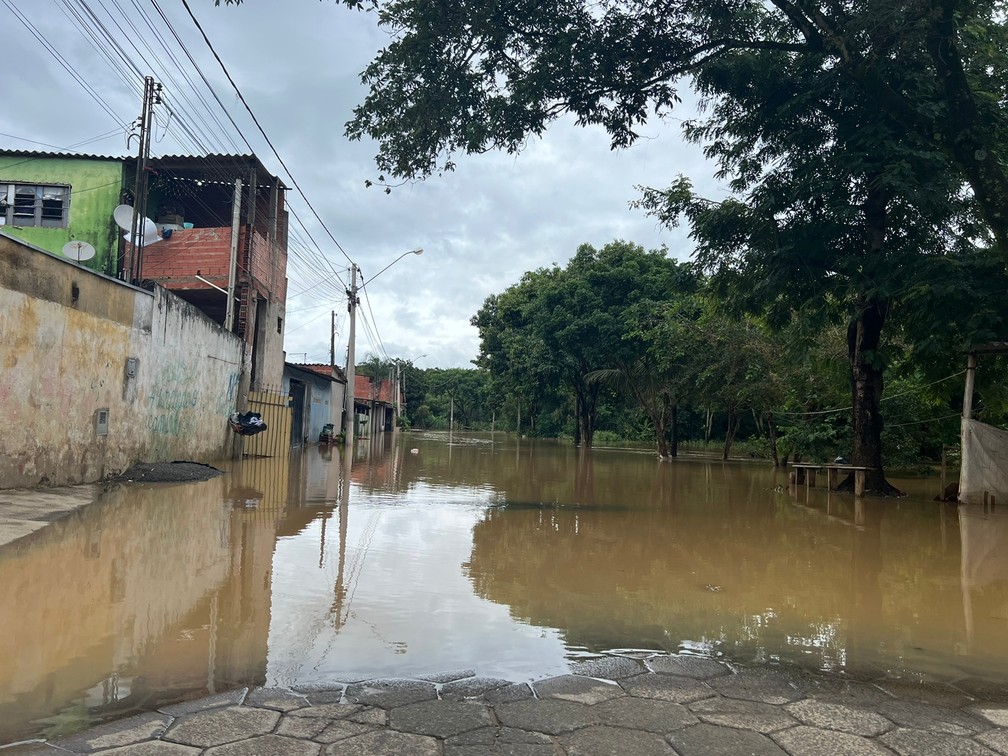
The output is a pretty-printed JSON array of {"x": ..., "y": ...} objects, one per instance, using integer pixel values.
[{"x": 223, "y": 223}]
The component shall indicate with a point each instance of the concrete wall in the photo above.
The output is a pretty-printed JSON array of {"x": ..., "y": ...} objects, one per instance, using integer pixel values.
[
  {"x": 94, "y": 192},
  {"x": 270, "y": 342},
  {"x": 175, "y": 262},
  {"x": 77, "y": 347}
]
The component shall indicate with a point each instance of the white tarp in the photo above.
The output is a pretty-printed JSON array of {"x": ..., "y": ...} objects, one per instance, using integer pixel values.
[{"x": 984, "y": 463}]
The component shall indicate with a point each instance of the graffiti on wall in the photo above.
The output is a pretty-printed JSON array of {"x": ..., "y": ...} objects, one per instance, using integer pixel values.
[
  {"x": 174, "y": 391},
  {"x": 178, "y": 399},
  {"x": 227, "y": 401}
]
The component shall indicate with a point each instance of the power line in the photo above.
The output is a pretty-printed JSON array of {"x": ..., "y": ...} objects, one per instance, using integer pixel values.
[
  {"x": 883, "y": 399},
  {"x": 62, "y": 61},
  {"x": 306, "y": 257},
  {"x": 241, "y": 97}
]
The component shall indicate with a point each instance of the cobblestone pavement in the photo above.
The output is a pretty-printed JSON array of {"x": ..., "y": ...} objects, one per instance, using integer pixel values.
[{"x": 622, "y": 705}]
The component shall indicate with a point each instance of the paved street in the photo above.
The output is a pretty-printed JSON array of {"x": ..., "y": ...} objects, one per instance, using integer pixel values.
[
  {"x": 25, "y": 510},
  {"x": 633, "y": 705}
]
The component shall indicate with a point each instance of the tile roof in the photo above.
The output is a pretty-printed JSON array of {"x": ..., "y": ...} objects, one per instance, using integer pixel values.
[
  {"x": 383, "y": 391},
  {"x": 322, "y": 369}
]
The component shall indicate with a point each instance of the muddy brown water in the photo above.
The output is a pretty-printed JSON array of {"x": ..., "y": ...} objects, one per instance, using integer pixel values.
[{"x": 511, "y": 559}]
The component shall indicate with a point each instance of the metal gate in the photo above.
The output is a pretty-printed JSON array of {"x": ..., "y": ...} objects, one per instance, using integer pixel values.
[{"x": 275, "y": 408}]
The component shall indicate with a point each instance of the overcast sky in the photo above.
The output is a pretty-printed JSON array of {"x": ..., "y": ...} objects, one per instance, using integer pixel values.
[{"x": 297, "y": 63}]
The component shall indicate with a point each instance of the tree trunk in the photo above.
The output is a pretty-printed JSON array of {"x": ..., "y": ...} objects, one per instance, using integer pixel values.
[
  {"x": 772, "y": 437},
  {"x": 585, "y": 400},
  {"x": 662, "y": 442},
  {"x": 707, "y": 425},
  {"x": 674, "y": 451},
  {"x": 864, "y": 336},
  {"x": 577, "y": 419},
  {"x": 659, "y": 416},
  {"x": 733, "y": 424}
]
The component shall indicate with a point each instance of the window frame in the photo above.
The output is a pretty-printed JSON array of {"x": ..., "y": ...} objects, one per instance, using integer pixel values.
[{"x": 42, "y": 215}]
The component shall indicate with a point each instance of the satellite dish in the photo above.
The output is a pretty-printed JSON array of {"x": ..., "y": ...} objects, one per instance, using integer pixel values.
[
  {"x": 78, "y": 250},
  {"x": 153, "y": 237},
  {"x": 123, "y": 216}
]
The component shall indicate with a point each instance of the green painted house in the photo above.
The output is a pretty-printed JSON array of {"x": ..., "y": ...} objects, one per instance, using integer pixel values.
[{"x": 49, "y": 199}]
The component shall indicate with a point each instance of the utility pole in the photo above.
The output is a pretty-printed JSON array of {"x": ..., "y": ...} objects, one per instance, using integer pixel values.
[
  {"x": 229, "y": 316},
  {"x": 352, "y": 303},
  {"x": 971, "y": 366},
  {"x": 151, "y": 97},
  {"x": 348, "y": 420},
  {"x": 398, "y": 391},
  {"x": 332, "y": 341}
]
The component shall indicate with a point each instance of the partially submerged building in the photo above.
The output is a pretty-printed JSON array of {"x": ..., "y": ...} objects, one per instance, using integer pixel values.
[
  {"x": 318, "y": 394},
  {"x": 220, "y": 242},
  {"x": 101, "y": 368}
]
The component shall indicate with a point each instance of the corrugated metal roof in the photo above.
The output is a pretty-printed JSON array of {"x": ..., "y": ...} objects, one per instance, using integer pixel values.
[
  {"x": 45, "y": 154},
  {"x": 216, "y": 159}
]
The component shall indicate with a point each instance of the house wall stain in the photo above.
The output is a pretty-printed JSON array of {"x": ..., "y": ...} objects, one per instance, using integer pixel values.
[
  {"x": 95, "y": 185},
  {"x": 165, "y": 375}
]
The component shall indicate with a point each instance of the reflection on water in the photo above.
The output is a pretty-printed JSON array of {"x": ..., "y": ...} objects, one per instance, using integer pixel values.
[{"x": 506, "y": 558}]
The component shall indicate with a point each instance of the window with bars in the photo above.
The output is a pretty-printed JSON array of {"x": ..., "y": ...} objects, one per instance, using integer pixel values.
[{"x": 45, "y": 205}]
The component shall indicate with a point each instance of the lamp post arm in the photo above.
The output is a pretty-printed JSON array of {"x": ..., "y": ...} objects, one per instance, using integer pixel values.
[{"x": 417, "y": 251}]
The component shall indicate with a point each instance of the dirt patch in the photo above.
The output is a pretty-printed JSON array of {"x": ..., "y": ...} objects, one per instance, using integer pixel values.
[{"x": 167, "y": 472}]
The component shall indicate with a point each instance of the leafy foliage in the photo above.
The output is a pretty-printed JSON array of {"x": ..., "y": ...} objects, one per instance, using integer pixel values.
[
  {"x": 558, "y": 325},
  {"x": 467, "y": 76}
]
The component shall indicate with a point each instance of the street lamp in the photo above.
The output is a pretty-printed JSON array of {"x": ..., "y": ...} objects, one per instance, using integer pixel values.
[{"x": 352, "y": 302}]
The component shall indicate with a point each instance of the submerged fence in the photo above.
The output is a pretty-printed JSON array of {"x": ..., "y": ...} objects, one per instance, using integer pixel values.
[{"x": 275, "y": 408}]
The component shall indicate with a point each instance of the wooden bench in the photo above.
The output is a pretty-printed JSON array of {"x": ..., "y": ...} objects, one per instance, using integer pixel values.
[{"x": 832, "y": 471}]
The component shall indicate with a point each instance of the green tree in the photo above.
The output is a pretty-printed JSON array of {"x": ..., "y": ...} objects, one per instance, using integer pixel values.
[
  {"x": 835, "y": 206},
  {"x": 515, "y": 354},
  {"x": 457, "y": 397},
  {"x": 660, "y": 372},
  {"x": 558, "y": 325},
  {"x": 468, "y": 76}
]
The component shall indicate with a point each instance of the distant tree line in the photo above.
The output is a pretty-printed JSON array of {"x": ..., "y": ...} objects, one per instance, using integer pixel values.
[
  {"x": 630, "y": 345},
  {"x": 860, "y": 252}
]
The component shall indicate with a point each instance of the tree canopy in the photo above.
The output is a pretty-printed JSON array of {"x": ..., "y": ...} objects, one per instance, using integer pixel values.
[
  {"x": 560, "y": 324},
  {"x": 466, "y": 76}
]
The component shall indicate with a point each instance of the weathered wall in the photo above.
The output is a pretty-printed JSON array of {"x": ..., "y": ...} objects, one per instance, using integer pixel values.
[
  {"x": 270, "y": 337},
  {"x": 95, "y": 185},
  {"x": 192, "y": 385},
  {"x": 77, "y": 347}
]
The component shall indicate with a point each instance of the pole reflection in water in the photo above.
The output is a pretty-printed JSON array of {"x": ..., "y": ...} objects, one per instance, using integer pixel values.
[
  {"x": 485, "y": 553},
  {"x": 983, "y": 530}
]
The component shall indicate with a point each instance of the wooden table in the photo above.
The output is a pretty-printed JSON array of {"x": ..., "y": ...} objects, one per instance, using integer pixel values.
[{"x": 832, "y": 470}]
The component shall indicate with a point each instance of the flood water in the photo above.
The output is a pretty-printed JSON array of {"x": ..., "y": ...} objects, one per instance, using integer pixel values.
[{"x": 511, "y": 559}]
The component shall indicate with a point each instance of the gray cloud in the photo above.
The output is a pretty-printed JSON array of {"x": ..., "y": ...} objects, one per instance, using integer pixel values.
[{"x": 481, "y": 226}]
